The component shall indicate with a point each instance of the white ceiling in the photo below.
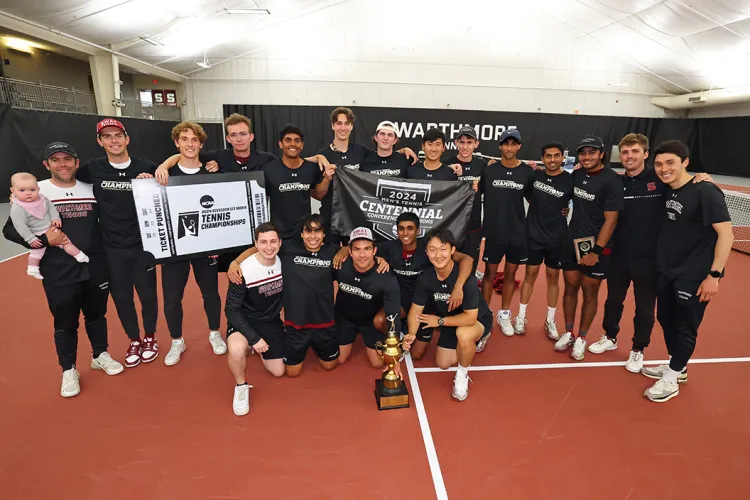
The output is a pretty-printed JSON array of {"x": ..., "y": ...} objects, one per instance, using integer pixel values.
[{"x": 682, "y": 45}]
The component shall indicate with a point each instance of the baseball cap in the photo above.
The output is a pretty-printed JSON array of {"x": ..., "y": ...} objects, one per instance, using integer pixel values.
[
  {"x": 387, "y": 125},
  {"x": 361, "y": 233},
  {"x": 591, "y": 141},
  {"x": 109, "y": 122},
  {"x": 59, "y": 147},
  {"x": 468, "y": 132},
  {"x": 510, "y": 134}
]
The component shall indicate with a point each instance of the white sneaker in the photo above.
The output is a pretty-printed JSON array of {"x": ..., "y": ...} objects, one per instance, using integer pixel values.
[
  {"x": 602, "y": 345},
  {"x": 241, "y": 401},
  {"x": 579, "y": 349},
  {"x": 662, "y": 391},
  {"x": 657, "y": 372},
  {"x": 564, "y": 343},
  {"x": 634, "y": 364},
  {"x": 71, "y": 383},
  {"x": 175, "y": 351},
  {"x": 106, "y": 363},
  {"x": 483, "y": 342},
  {"x": 551, "y": 330},
  {"x": 461, "y": 386},
  {"x": 479, "y": 275},
  {"x": 519, "y": 328},
  {"x": 218, "y": 344},
  {"x": 506, "y": 325}
]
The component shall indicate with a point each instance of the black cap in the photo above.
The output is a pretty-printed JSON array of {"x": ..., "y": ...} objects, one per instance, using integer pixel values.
[
  {"x": 468, "y": 132},
  {"x": 511, "y": 134},
  {"x": 59, "y": 147},
  {"x": 591, "y": 141}
]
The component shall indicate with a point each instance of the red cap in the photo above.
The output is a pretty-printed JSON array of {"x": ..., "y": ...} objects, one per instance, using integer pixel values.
[{"x": 109, "y": 122}]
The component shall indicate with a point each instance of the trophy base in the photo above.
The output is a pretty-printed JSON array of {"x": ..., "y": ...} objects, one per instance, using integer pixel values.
[{"x": 391, "y": 399}]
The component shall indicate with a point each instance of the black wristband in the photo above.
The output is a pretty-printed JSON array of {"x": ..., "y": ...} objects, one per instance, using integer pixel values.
[{"x": 597, "y": 250}]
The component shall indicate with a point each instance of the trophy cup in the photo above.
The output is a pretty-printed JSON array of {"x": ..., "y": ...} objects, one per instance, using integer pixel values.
[
  {"x": 390, "y": 390},
  {"x": 583, "y": 246}
]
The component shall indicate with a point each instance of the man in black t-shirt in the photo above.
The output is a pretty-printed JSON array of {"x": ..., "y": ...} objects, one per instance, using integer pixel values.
[
  {"x": 385, "y": 162},
  {"x": 189, "y": 138},
  {"x": 366, "y": 298},
  {"x": 460, "y": 328},
  {"x": 505, "y": 185},
  {"x": 694, "y": 244},
  {"x": 129, "y": 266},
  {"x": 472, "y": 168},
  {"x": 291, "y": 181},
  {"x": 548, "y": 230},
  {"x": 432, "y": 168},
  {"x": 597, "y": 200},
  {"x": 71, "y": 287},
  {"x": 253, "y": 309},
  {"x": 308, "y": 296}
]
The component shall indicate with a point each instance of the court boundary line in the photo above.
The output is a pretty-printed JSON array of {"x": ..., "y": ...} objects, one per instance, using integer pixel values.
[
  {"x": 15, "y": 256},
  {"x": 424, "y": 425},
  {"x": 596, "y": 364}
]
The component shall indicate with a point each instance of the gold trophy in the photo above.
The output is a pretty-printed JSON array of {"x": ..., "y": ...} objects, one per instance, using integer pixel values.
[
  {"x": 390, "y": 390},
  {"x": 584, "y": 246}
]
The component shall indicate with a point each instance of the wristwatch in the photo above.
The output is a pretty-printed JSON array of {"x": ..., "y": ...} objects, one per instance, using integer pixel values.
[
  {"x": 716, "y": 274},
  {"x": 441, "y": 321}
]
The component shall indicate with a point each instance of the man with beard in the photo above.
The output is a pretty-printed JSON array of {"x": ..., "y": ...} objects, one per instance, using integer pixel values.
[
  {"x": 72, "y": 288},
  {"x": 548, "y": 230},
  {"x": 189, "y": 138},
  {"x": 505, "y": 185},
  {"x": 597, "y": 200},
  {"x": 129, "y": 266},
  {"x": 385, "y": 162}
]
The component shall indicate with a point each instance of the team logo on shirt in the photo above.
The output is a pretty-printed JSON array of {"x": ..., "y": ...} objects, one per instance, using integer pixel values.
[
  {"x": 293, "y": 186},
  {"x": 312, "y": 262},
  {"x": 546, "y": 188},
  {"x": 117, "y": 185},
  {"x": 353, "y": 290},
  {"x": 351, "y": 166},
  {"x": 673, "y": 205},
  {"x": 651, "y": 186},
  {"x": 507, "y": 184},
  {"x": 441, "y": 297},
  {"x": 387, "y": 172},
  {"x": 584, "y": 195},
  {"x": 187, "y": 224}
]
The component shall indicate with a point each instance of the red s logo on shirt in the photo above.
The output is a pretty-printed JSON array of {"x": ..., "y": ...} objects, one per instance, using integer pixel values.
[{"x": 651, "y": 186}]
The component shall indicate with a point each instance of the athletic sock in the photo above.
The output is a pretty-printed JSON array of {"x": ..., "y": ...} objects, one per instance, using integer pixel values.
[
  {"x": 671, "y": 375},
  {"x": 505, "y": 313},
  {"x": 582, "y": 333},
  {"x": 522, "y": 310},
  {"x": 568, "y": 327},
  {"x": 243, "y": 383},
  {"x": 464, "y": 370},
  {"x": 551, "y": 314}
]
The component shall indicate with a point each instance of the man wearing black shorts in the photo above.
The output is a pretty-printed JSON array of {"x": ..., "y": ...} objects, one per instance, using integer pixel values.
[
  {"x": 189, "y": 138},
  {"x": 366, "y": 298},
  {"x": 72, "y": 287},
  {"x": 291, "y": 181},
  {"x": 597, "y": 200},
  {"x": 129, "y": 266},
  {"x": 505, "y": 185},
  {"x": 472, "y": 168},
  {"x": 385, "y": 162},
  {"x": 308, "y": 296},
  {"x": 253, "y": 310},
  {"x": 461, "y": 328},
  {"x": 693, "y": 248},
  {"x": 548, "y": 230}
]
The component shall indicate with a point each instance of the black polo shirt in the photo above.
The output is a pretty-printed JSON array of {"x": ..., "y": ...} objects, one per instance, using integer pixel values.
[{"x": 638, "y": 224}]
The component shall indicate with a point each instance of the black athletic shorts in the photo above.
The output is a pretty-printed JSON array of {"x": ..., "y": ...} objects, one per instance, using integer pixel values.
[
  {"x": 347, "y": 332},
  {"x": 407, "y": 298},
  {"x": 514, "y": 253},
  {"x": 471, "y": 245},
  {"x": 448, "y": 338},
  {"x": 270, "y": 331},
  {"x": 569, "y": 262},
  {"x": 323, "y": 341},
  {"x": 550, "y": 256}
]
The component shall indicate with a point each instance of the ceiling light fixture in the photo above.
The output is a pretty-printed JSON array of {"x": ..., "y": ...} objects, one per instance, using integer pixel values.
[
  {"x": 617, "y": 85},
  {"x": 248, "y": 11},
  {"x": 205, "y": 64},
  {"x": 150, "y": 40},
  {"x": 20, "y": 44}
]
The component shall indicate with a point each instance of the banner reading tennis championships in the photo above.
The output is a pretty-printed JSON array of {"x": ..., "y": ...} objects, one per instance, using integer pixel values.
[
  {"x": 200, "y": 215},
  {"x": 362, "y": 199}
]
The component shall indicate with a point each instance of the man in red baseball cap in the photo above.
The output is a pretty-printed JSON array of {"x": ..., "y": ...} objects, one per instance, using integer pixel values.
[{"x": 128, "y": 265}]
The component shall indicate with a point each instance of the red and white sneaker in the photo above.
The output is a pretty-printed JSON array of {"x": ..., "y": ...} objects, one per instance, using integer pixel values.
[
  {"x": 133, "y": 355},
  {"x": 150, "y": 349}
]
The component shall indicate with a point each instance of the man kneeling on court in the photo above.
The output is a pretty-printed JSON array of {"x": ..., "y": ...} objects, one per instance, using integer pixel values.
[
  {"x": 253, "y": 311},
  {"x": 365, "y": 299},
  {"x": 461, "y": 328}
]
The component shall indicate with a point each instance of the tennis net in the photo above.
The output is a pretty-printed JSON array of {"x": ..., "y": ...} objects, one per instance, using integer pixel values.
[{"x": 739, "y": 211}]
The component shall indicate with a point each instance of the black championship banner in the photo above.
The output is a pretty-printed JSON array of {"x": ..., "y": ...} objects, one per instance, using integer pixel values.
[
  {"x": 361, "y": 199},
  {"x": 200, "y": 215}
]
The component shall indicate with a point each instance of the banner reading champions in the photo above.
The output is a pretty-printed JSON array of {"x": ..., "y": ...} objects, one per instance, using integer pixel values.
[
  {"x": 200, "y": 215},
  {"x": 361, "y": 199}
]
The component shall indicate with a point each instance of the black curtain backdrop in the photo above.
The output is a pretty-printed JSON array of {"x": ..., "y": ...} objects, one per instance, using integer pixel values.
[
  {"x": 714, "y": 142},
  {"x": 24, "y": 133}
]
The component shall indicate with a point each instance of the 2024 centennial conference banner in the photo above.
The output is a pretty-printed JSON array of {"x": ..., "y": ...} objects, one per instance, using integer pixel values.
[
  {"x": 362, "y": 199},
  {"x": 200, "y": 215}
]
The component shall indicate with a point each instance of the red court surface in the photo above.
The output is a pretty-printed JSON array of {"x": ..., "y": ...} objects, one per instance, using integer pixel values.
[{"x": 539, "y": 432}]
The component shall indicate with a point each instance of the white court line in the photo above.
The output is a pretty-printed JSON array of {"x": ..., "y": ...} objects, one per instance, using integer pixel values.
[
  {"x": 544, "y": 366},
  {"x": 432, "y": 458},
  {"x": 11, "y": 258}
]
